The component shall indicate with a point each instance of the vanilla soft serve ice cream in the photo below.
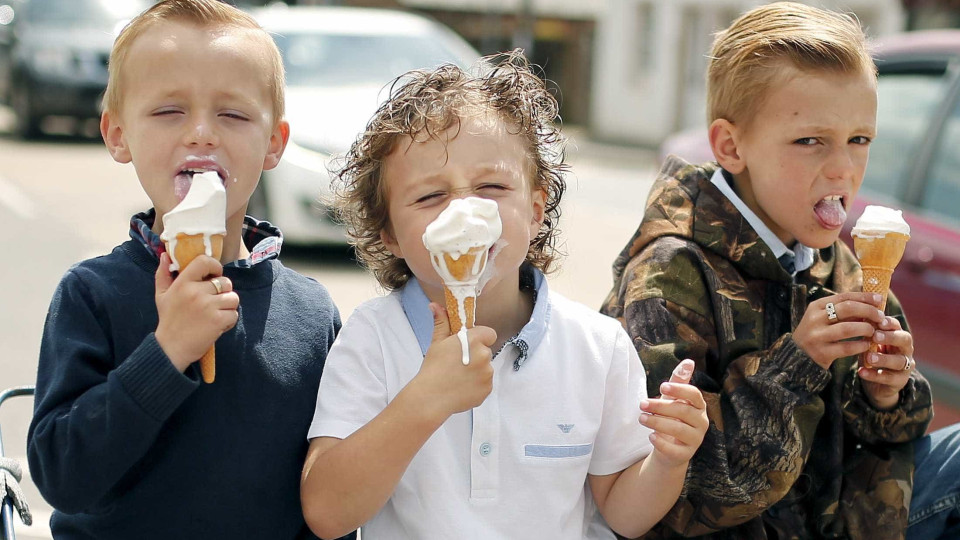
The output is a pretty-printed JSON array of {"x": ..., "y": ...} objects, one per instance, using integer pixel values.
[
  {"x": 202, "y": 212},
  {"x": 459, "y": 242},
  {"x": 877, "y": 221}
]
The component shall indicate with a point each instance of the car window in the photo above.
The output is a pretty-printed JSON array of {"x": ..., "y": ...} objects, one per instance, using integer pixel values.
[
  {"x": 941, "y": 193},
  {"x": 313, "y": 59},
  {"x": 906, "y": 102}
]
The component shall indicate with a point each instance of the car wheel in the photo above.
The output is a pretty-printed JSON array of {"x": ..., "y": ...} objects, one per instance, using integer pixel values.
[{"x": 27, "y": 123}]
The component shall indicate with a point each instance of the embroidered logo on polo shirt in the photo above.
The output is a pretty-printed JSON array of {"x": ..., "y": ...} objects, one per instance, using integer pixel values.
[{"x": 565, "y": 427}]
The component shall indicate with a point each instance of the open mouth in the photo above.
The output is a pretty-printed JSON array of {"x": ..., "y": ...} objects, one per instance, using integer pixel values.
[
  {"x": 184, "y": 179},
  {"x": 831, "y": 211}
]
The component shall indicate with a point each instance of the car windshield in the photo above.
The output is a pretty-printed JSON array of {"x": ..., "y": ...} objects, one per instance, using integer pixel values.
[
  {"x": 313, "y": 59},
  {"x": 906, "y": 103},
  {"x": 82, "y": 12}
]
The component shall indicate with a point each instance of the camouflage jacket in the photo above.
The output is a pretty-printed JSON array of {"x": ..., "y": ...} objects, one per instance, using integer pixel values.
[{"x": 793, "y": 451}]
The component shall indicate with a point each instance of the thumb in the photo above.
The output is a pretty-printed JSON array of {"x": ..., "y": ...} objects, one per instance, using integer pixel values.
[
  {"x": 683, "y": 372},
  {"x": 441, "y": 324},
  {"x": 164, "y": 278}
]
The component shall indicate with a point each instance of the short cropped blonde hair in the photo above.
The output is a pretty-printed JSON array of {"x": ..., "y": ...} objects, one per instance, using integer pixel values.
[
  {"x": 204, "y": 13},
  {"x": 748, "y": 57}
]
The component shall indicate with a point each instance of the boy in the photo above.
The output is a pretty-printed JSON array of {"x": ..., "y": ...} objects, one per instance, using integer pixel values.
[
  {"x": 412, "y": 443},
  {"x": 735, "y": 266},
  {"x": 125, "y": 441}
]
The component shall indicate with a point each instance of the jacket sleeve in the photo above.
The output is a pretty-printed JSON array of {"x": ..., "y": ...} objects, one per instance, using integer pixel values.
[
  {"x": 763, "y": 405},
  {"x": 905, "y": 422},
  {"x": 93, "y": 419}
]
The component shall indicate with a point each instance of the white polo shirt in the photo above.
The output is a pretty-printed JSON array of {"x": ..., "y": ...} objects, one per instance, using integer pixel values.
[{"x": 565, "y": 403}]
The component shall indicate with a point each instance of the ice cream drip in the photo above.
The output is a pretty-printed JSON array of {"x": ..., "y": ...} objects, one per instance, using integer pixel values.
[
  {"x": 202, "y": 212},
  {"x": 459, "y": 242}
]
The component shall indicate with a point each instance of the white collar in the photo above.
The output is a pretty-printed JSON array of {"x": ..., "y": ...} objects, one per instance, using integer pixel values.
[{"x": 803, "y": 255}]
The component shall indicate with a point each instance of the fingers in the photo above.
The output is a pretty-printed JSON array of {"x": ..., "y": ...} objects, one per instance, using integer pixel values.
[
  {"x": 201, "y": 268},
  {"x": 163, "y": 278},
  {"x": 441, "y": 323},
  {"x": 684, "y": 420},
  {"x": 685, "y": 392},
  {"x": 873, "y": 299},
  {"x": 855, "y": 311},
  {"x": 895, "y": 341},
  {"x": 683, "y": 372}
]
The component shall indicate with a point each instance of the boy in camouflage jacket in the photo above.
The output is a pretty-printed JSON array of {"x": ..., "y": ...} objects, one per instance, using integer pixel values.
[{"x": 734, "y": 266}]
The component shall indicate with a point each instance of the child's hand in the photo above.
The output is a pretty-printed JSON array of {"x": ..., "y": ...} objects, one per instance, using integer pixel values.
[
  {"x": 857, "y": 316},
  {"x": 192, "y": 311},
  {"x": 445, "y": 384},
  {"x": 885, "y": 373},
  {"x": 678, "y": 418}
]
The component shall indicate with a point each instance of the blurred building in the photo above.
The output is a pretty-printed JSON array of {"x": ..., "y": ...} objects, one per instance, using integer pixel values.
[
  {"x": 650, "y": 60},
  {"x": 558, "y": 35},
  {"x": 631, "y": 70}
]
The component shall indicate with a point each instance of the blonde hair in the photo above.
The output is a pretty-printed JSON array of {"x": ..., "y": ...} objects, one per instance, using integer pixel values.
[
  {"x": 427, "y": 103},
  {"x": 748, "y": 57},
  {"x": 204, "y": 13}
]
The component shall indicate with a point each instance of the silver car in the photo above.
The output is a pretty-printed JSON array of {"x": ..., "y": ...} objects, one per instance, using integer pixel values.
[{"x": 339, "y": 63}]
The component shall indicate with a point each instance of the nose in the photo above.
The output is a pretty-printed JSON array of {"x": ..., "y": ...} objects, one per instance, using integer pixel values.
[
  {"x": 201, "y": 132},
  {"x": 842, "y": 164}
]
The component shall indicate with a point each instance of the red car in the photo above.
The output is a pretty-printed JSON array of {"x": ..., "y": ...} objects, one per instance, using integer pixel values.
[{"x": 914, "y": 166}]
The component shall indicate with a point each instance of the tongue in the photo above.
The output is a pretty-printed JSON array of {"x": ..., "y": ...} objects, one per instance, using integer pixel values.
[
  {"x": 831, "y": 213},
  {"x": 181, "y": 185}
]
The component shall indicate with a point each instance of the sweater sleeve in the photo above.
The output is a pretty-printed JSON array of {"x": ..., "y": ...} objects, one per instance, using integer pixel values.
[
  {"x": 763, "y": 405},
  {"x": 905, "y": 422},
  {"x": 95, "y": 416}
]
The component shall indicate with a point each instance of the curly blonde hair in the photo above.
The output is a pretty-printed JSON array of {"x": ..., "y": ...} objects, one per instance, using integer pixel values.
[{"x": 427, "y": 103}]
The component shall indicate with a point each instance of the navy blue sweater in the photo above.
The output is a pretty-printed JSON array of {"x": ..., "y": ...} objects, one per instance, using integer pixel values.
[{"x": 126, "y": 447}]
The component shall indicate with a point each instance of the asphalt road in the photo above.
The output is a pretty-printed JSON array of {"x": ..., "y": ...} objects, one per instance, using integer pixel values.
[{"x": 63, "y": 199}]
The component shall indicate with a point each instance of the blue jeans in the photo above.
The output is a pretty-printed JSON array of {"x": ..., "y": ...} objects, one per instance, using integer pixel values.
[{"x": 935, "y": 506}]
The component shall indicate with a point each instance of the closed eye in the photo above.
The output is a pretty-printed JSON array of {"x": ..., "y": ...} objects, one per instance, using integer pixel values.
[
  {"x": 492, "y": 187},
  {"x": 435, "y": 196},
  {"x": 234, "y": 116},
  {"x": 166, "y": 112}
]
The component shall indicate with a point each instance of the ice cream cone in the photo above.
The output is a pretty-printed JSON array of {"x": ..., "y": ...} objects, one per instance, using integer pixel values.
[
  {"x": 879, "y": 254},
  {"x": 464, "y": 273},
  {"x": 183, "y": 249}
]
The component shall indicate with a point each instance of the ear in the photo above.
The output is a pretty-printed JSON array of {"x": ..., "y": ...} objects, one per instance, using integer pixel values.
[
  {"x": 724, "y": 141},
  {"x": 112, "y": 133},
  {"x": 278, "y": 142},
  {"x": 390, "y": 242},
  {"x": 539, "y": 201}
]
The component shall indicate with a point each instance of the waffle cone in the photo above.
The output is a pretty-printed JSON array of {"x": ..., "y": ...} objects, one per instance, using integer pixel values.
[
  {"x": 883, "y": 251},
  {"x": 453, "y": 310},
  {"x": 182, "y": 251},
  {"x": 878, "y": 257},
  {"x": 462, "y": 271}
]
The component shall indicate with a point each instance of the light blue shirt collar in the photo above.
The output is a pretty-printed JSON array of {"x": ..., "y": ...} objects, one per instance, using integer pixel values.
[
  {"x": 416, "y": 306},
  {"x": 803, "y": 255}
]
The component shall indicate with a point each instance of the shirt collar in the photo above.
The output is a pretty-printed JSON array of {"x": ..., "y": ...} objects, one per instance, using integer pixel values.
[
  {"x": 416, "y": 307},
  {"x": 264, "y": 238},
  {"x": 803, "y": 255}
]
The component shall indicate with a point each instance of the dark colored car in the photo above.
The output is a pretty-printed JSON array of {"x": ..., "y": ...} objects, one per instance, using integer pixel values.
[
  {"x": 53, "y": 56},
  {"x": 914, "y": 166}
]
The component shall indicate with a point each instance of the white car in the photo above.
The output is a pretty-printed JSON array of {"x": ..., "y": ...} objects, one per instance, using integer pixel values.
[{"x": 339, "y": 63}]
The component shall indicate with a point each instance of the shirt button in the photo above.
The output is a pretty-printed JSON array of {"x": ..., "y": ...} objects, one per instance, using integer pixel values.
[{"x": 485, "y": 449}]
